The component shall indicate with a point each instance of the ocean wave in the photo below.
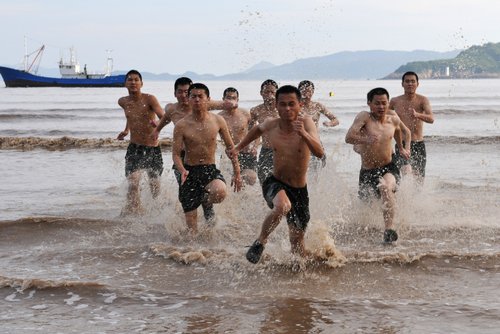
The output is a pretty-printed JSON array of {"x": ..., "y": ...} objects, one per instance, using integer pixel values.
[
  {"x": 38, "y": 283},
  {"x": 66, "y": 143},
  {"x": 472, "y": 110},
  {"x": 474, "y": 140}
]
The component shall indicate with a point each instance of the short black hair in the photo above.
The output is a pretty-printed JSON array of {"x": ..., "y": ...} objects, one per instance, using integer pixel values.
[
  {"x": 409, "y": 73},
  {"x": 376, "y": 91},
  {"x": 199, "y": 86},
  {"x": 133, "y": 72},
  {"x": 267, "y": 83},
  {"x": 287, "y": 89},
  {"x": 182, "y": 81},
  {"x": 230, "y": 90},
  {"x": 305, "y": 84}
]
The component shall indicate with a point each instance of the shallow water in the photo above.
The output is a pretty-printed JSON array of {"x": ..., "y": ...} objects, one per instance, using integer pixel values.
[{"x": 70, "y": 264}]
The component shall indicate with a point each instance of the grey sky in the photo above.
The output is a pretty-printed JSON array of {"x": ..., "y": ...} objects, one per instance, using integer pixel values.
[{"x": 230, "y": 36}]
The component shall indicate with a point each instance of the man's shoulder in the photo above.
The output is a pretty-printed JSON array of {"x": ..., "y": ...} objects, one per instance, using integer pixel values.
[
  {"x": 257, "y": 108},
  {"x": 171, "y": 107}
]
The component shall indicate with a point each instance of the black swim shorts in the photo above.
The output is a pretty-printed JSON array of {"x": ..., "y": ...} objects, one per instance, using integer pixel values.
[
  {"x": 192, "y": 191},
  {"x": 299, "y": 198},
  {"x": 247, "y": 161},
  {"x": 418, "y": 158},
  {"x": 369, "y": 180},
  {"x": 143, "y": 157},
  {"x": 265, "y": 164}
]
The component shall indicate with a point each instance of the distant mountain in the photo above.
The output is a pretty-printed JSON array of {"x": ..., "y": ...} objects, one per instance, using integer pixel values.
[
  {"x": 372, "y": 64},
  {"x": 263, "y": 65},
  {"x": 343, "y": 65},
  {"x": 475, "y": 62}
]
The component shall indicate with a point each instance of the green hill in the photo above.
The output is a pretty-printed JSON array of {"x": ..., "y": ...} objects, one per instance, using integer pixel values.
[{"x": 475, "y": 62}]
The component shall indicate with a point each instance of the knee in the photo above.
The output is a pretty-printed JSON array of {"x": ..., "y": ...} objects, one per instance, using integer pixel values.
[
  {"x": 282, "y": 207},
  {"x": 218, "y": 192},
  {"x": 250, "y": 177}
]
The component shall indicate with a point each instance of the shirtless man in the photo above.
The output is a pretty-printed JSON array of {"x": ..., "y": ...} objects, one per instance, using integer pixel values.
[
  {"x": 174, "y": 112},
  {"x": 238, "y": 120},
  {"x": 292, "y": 138},
  {"x": 201, "y": 181},
  {"x": 413, "y": 109},
  {"x": 373, "y": 132},
  {"x": 143, "y": 152},
  {"x": 258, "y": 115},
  {"x": 315, "y": 109}
]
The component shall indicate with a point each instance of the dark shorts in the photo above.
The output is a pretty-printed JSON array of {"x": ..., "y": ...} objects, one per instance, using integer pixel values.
[
  {"x": 418, "y": 158},
  {"x": 247, "y": 161},
  {"x": 143, "y": 157},
  {"x": 369, "y": 180},
  {"x": 192, "y": 192},
  {"x": 177, "y": 174},
  {"x": 299, "y": 197},
  {"x": 265, "y": 164}
]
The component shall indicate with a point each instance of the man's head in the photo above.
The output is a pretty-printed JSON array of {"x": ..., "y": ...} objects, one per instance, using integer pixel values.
[
  {"x": 199, "y": 95},
  {"x": 410, "y": 82},
  {"x": 231, "y": 94},
  {"x": 288, "y": 102},
  {"x": 306, "y": 89},
  {"x": 133, "y": 80},
  {"x": 378, "y": 101},
  {"x": 181, "y": 87},
  {"x": 268, "y": 91}
]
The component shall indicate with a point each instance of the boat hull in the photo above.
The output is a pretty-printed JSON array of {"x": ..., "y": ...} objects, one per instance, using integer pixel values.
[{"x": 16, "y": 78}]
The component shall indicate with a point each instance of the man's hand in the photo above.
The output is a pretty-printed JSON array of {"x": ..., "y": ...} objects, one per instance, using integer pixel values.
[
  {"x": 405, "y": 153},
  {"x": 331, "y": 123},
  {"x": 184, "y": 176},
  {"x": 229, "y": 104},
  {"x": 298, "y": 125},
  {"x": 232, "y": 153},
  {"x": 237, "y": 183},
  {"x": 122, "y": 135}
]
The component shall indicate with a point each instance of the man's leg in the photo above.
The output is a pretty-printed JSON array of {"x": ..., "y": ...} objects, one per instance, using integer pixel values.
[
  {"x": 133, "y": 204},
  {"x": 297, "y": 241},
  {"x": 387, "y": 189},
  {"x": 192, "y": 221},
  {"x": 154, "y": 186},
  {"x": 281, "y": 206}
]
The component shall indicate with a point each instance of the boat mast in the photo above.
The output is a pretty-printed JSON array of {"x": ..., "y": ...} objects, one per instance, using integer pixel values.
[
  {"x": 25, "y": 58},
  {"x": 109, "y": 63}
]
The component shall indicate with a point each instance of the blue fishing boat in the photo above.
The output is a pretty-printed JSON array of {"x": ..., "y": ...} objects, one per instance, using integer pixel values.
[{"x": 71, "y": 75}]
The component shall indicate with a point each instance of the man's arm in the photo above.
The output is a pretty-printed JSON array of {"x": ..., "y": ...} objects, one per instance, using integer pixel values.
[
  {"x": 333, "y": 119},
  {"x": 228, "y": 141},
  {"x": 221, "y": 105},
  {"x": 176, "y": 151},
  {"x": 307, "y": 130},
  {"x": 402, "y": 130},
  {"x": 124, "y": 133},
  {"x": 426, "y": 115},
  {"x": 354, "y": 135}
]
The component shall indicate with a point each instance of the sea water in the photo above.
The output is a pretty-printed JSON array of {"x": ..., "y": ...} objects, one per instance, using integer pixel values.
[{"x": 70, "y": 264}]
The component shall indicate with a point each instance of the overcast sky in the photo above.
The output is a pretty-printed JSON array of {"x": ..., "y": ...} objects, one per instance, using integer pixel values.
[{"x": 223, "y": 36}]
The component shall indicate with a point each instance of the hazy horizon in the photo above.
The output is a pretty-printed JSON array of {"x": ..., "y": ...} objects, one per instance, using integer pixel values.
[{"x": 230, "y": 36}]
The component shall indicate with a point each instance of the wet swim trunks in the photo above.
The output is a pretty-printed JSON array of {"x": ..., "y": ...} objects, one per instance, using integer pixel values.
[
  {"x": 177, "y": 174},
  {"x": 247, "y": 161},
  {"x": 299, "y": 198},
  {"x": 265, "y": 164},
  {"x": 418, "y": 158},
  {"x": 143, "y": 157},
  {"x": 369, "y": 180},
  {"x": 192, "y": 192}
]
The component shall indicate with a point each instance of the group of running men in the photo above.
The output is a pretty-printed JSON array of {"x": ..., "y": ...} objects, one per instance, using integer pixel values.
[{"x": 285, "y": 126}]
